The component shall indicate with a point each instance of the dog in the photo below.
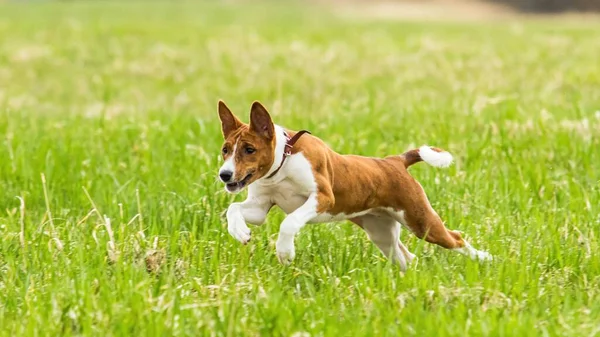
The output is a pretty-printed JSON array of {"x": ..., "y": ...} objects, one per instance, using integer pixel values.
[{"x": 311, "y": 183}]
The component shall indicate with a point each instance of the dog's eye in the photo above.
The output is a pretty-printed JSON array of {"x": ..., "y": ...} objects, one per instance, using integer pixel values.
[
  {"x": 224, "y": 150},
  {"x": 250, "y": 150}
]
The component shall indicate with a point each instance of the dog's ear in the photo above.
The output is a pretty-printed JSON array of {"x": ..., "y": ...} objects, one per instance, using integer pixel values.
[
  {"x": 260, "y": 121},
  {"x": 229, "y": 122}
]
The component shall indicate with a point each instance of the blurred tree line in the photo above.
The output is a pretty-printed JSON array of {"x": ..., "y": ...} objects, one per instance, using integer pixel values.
[{"x": 552, "y": 5}]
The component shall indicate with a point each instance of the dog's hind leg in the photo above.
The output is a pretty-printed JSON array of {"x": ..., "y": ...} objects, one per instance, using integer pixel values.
[
  {"x": 426, "y": 224},
  {"x": 384, "y": 231}
]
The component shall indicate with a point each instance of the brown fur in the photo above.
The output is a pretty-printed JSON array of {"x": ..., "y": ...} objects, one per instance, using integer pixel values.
[{"x": 351, "y": 184}]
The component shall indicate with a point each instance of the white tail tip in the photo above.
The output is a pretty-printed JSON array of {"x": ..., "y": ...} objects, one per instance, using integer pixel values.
[{"x": 433, "y": 158}]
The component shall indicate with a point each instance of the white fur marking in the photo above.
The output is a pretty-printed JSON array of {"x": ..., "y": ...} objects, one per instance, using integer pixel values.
[
  {"x": 384, "y": 231},
  {"x": 433, "y": 158},
  {"x": 236, "y": 224},
  {"x": 229, "y": 164},
  {"x": 473, "y": 253},
  {"x": 252, "y": 210},
  {"x": 280, "y": 141},
  {"x": 291, "y": 225},
  {"x": 326, "y": 217}
]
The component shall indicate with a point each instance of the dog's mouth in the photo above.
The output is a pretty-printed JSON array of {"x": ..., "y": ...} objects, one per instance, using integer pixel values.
[{"x": 238, "y": 186}]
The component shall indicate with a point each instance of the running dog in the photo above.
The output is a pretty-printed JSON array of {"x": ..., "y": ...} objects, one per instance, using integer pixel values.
[{"x": 311, "y": 183}]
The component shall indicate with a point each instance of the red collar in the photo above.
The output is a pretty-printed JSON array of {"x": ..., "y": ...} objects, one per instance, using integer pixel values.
[{"x": 289, "y": 144}]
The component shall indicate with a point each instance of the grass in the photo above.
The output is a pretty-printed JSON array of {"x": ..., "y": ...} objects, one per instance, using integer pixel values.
[{"x": 110, "y": 137}]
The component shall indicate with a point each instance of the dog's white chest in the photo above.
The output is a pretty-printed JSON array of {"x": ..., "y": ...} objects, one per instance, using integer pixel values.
[
  {"x": 292, "y": 191},
  {"x": 288, "y": 196}
]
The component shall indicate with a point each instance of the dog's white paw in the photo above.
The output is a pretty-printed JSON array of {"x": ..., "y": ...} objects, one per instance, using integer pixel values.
[
  {"x": 474, "y": 254},
  {"x": 239, "y": 230},
  {"x": 285, "y": 251},
  {"x": 409, "y": 257},
  {"x": 482, "y": 256}
]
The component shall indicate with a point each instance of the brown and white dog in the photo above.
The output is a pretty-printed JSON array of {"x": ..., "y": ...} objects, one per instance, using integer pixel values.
[{"x": 311, "y": 183}]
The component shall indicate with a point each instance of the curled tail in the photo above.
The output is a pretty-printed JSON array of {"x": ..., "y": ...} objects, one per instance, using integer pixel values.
[{"x": 431, "y": 155}]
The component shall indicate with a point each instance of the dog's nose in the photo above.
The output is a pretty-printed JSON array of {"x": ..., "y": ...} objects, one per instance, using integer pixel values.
[{"x": 225, "y": 176}]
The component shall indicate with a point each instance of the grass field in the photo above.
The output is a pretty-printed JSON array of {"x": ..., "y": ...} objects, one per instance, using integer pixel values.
[{"x": 112, "y": 217}]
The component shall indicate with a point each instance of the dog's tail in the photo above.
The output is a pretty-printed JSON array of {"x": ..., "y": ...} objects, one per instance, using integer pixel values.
[{"x": 431, "y": 155}]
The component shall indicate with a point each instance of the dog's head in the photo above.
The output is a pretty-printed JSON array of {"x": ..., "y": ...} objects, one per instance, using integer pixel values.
[{"x": 248, "y": 150}]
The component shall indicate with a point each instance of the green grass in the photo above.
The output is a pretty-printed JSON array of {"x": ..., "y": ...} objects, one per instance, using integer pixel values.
[{"x": 115, "y": 106}]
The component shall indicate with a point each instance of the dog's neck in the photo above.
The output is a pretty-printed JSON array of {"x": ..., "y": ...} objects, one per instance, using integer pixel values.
[{"x": 280, "y": 141}]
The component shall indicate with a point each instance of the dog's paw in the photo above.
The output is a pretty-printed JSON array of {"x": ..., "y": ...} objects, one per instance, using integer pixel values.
[
  {"x": 482, "y": 256},
  {"x": 285, "y": 251},
  {"x": 239, "y": 230},
  {"x": 474, "y": 254},
  {"x": 410, "y": 257}
]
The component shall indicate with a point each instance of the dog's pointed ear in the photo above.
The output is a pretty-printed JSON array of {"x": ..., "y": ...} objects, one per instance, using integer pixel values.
[
  {"x": 260, "y": 121},
  {"x": 229, "y": 122}
]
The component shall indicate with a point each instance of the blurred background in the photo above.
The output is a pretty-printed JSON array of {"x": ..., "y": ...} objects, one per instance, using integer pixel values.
[
  {"x": 108, "y": 111},
  {"x": 552, "y": 5},
  {"x": 463, "y": 9}
]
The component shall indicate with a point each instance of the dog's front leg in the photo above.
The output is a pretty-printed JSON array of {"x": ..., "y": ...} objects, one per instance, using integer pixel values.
[
  {"x": 291, "y": 225},
  {"x": 253, "y": 210}
]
